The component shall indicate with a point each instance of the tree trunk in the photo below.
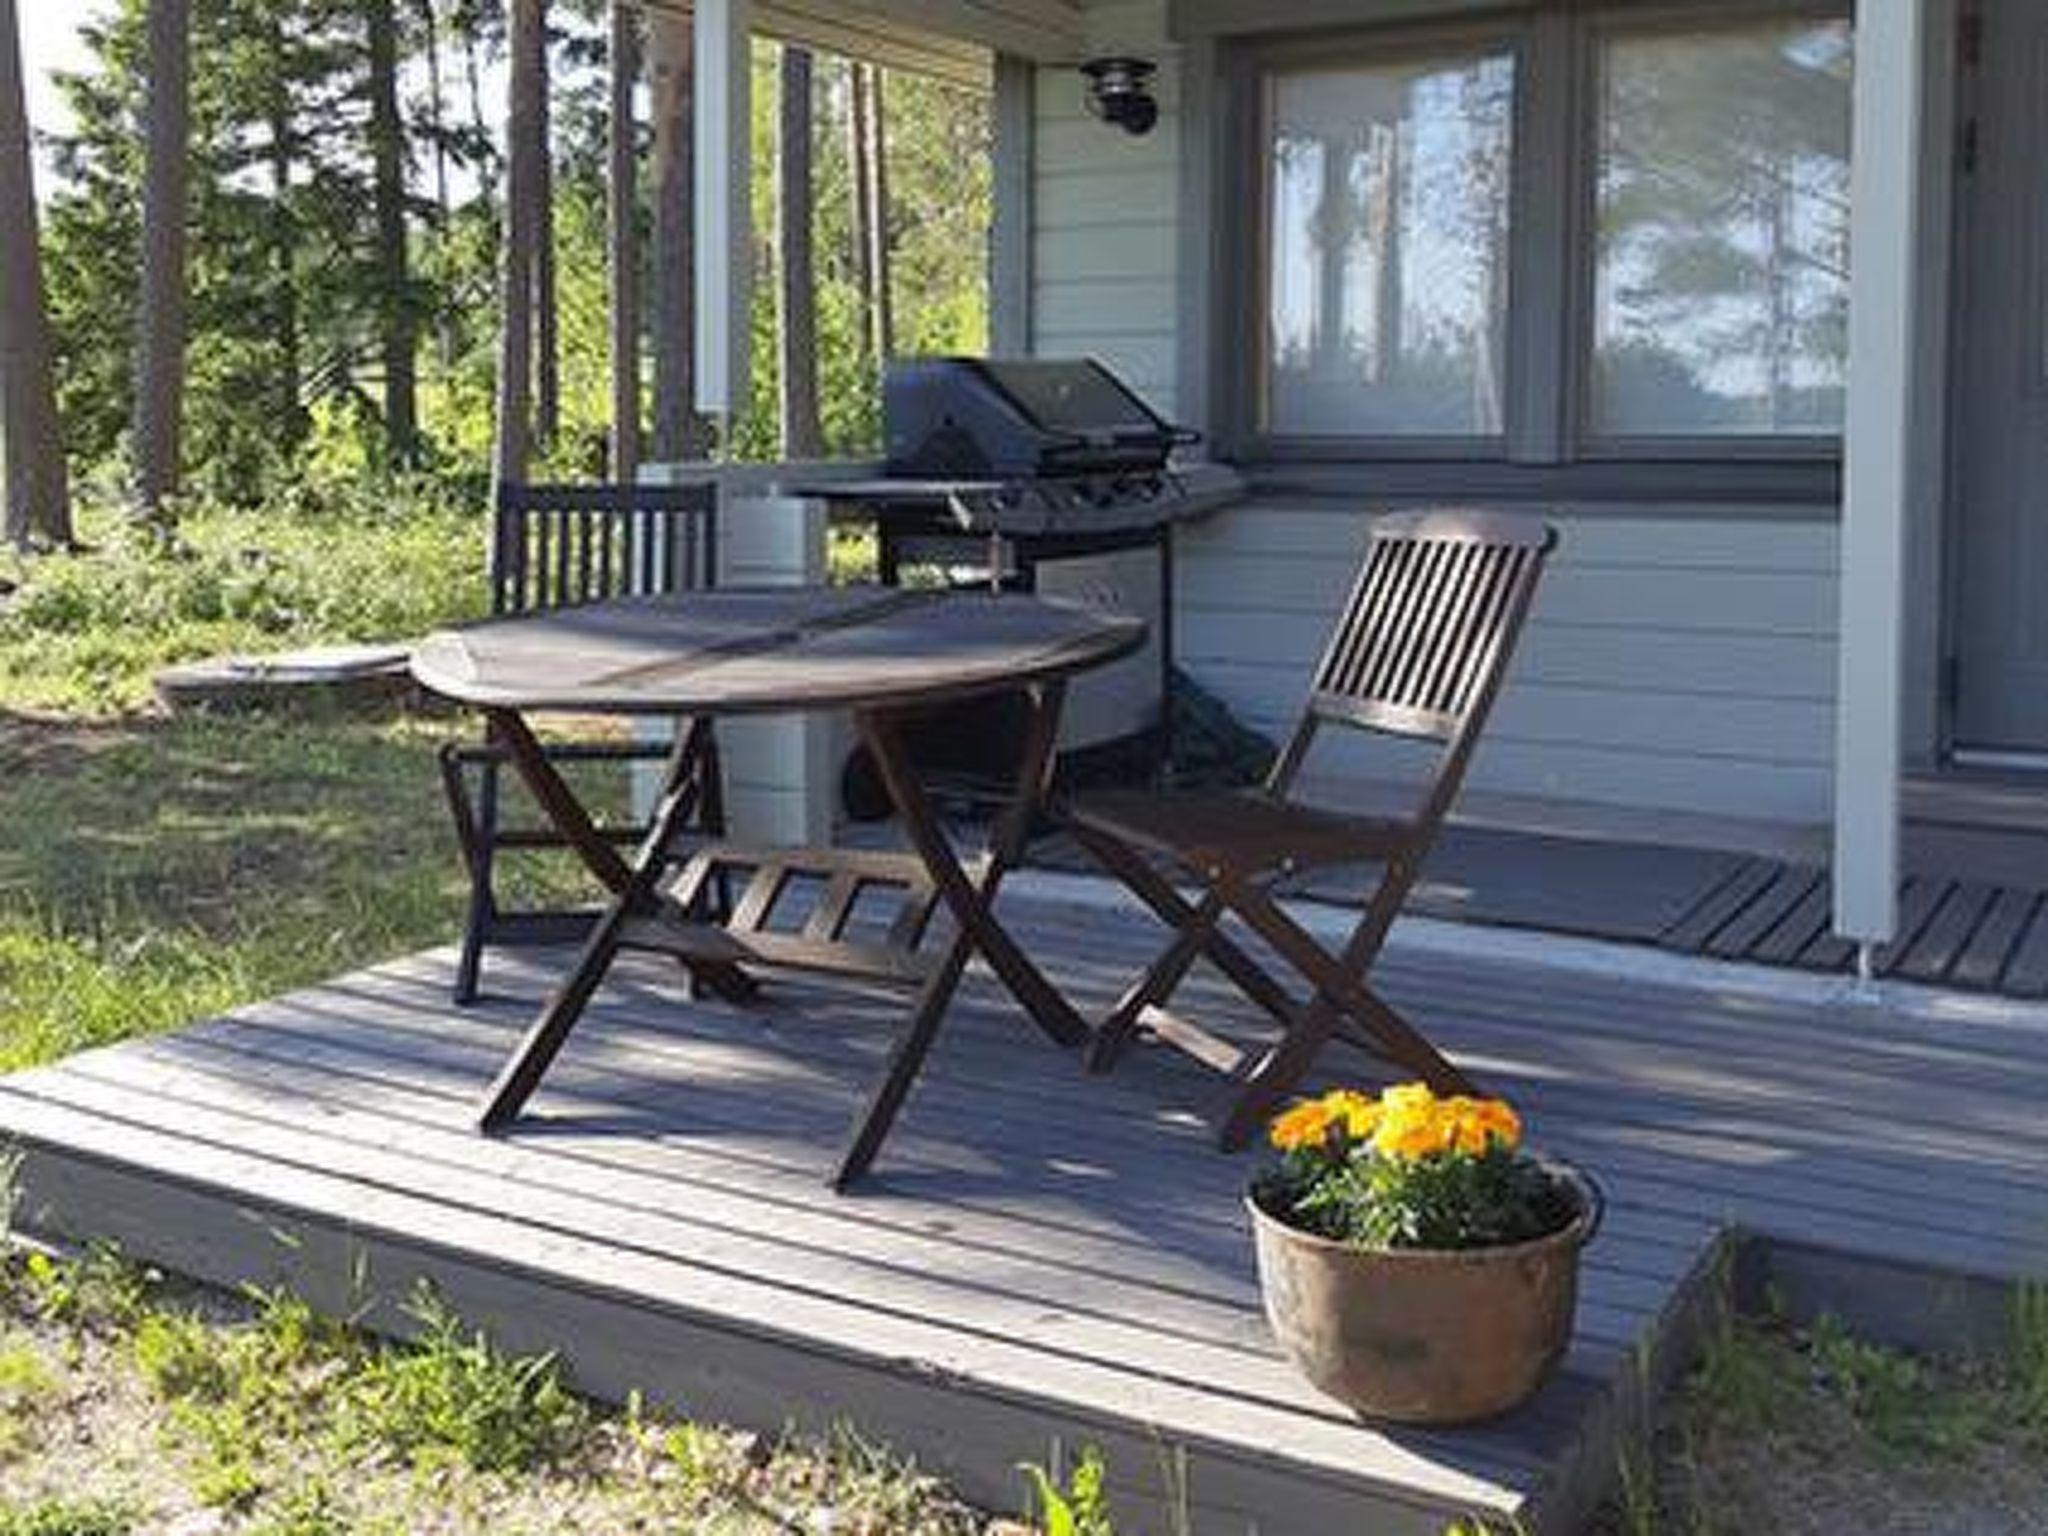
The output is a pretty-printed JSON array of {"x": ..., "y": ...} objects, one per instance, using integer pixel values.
[
  {"x": 802, "y": 433},
  {"x": 160, "y": 333},
  {"x": 622, "y": 186},
  {"x": 528, "y": 44},
  {"x": 394, "y": 275},
  {"x": 679, "y": 431},
  {"x": 547, "y": 323},
  {"x": 858, "y": 111},
  {"x": 437, "y": 109},
  {"x": 37, "y": 483},
  {"x": 479, "y": 116},
  {"x": 882, "y": 300},
  {"x": 284, "y": 238}
]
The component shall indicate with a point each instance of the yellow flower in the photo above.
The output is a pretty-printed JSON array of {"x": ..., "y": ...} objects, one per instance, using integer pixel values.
[
  {"x": 1307, "y": 1124},
  {"x": 1408, "y": 1098},
  {"x": 1406, "y": 1123},
  {"x": 1412, "y": 1124},
  {"x": 1359, "y": 1113}
]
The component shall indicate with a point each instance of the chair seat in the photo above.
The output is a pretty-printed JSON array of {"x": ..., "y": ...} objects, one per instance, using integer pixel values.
[{"x": 1238, "y": 832}]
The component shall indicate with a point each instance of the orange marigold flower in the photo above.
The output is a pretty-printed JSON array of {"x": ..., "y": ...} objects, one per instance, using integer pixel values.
[
  {"x": 1500, "y": 1118},
  {"x": 1307, "y": 1124},
  {"x": 1475, "y": 1125},
  {"x": 1410, "y": 1138}
]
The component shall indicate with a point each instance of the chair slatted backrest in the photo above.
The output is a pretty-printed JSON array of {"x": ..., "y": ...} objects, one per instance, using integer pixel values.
[
  {"x": 1425, "y": 638},
  {"x": 1430, "y": 622},
  {"x": 558, "y": 546}
]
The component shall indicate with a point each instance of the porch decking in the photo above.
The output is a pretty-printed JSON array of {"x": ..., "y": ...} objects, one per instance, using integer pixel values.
[
  {"x": 1973, "y": 906},
  {"x": 1039, "y": 1256}
]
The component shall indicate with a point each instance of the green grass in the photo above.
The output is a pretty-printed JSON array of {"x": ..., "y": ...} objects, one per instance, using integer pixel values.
[
  {"x": 290, "y": 1424},
  {"x": 158, "y": 870},
  {"x": 1787, "y": 1428},
  {"x": 453, "y": 1396},
  {"x": 59, "y": 1517},
  {"x": 81, "y": 635}
]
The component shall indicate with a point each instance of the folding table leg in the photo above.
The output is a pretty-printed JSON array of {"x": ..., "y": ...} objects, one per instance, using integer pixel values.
[
  {"x": 635, "y": 894},
  {"x": 476, "y": 830},
  {"x": 559, "y": 803},
  {"x": 971, "y": 903}
]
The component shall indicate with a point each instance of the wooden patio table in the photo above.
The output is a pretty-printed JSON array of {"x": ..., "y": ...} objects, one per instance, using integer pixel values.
[{"x": 882, "y": 655}]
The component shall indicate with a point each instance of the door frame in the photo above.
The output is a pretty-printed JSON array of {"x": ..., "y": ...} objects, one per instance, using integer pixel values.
[{"x": 1965, "y": 97}]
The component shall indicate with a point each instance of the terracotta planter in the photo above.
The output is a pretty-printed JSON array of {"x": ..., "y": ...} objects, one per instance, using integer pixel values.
[{"x": 1425, "y": 1336}]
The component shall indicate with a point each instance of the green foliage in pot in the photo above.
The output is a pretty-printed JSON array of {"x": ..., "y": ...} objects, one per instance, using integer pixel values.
[{"x": 1408, "y": 1169}]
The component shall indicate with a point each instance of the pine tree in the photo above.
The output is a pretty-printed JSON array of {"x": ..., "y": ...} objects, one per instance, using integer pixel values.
[
  {"x": 38, "y": 487},
  {"x": 160, "y": 333}
]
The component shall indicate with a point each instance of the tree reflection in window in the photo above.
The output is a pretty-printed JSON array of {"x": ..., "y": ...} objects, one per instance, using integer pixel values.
[
  {"x": 1387, "y": 220},
  {"x": 1721, "y": 287}
]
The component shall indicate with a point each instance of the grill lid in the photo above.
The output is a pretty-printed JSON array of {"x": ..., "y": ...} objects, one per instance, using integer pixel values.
[{"x": 1018, "y": 418}]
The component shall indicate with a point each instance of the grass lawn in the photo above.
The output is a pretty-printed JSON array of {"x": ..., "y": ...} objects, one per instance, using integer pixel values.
[
  {"x": 1813, "y": 1432},
  {"x": 130, "y": 1405},
  {"x": 157, "y": 870}
]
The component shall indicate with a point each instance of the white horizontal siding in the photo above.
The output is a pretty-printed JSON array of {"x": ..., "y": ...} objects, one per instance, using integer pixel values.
[
  {"x": 1672, "y": 663},
  {"x": 1105, "y": 268},
  {"x": 1678, "y": 660}
]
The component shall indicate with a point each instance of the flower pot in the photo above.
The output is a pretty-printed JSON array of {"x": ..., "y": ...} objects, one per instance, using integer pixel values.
[{"x": 1419, "y": 1335}]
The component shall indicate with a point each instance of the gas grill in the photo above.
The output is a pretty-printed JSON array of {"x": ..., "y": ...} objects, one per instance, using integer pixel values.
[{"x": 1037, "y": 475}]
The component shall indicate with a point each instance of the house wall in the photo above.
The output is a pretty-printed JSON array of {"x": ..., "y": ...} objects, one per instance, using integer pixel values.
[{"x": 1681, "y": 658}]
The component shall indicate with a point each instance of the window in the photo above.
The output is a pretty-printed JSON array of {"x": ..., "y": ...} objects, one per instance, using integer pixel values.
[
  {"x": 1587, "y": 236},
  {"x": 1386, "y": 282},
  {"x": 1721, "y": 290}
]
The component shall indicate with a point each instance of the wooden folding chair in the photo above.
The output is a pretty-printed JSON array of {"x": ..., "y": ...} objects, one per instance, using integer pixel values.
[
  {"x": 559, "y": 546},
  {"x": 1420, "y": 651}
]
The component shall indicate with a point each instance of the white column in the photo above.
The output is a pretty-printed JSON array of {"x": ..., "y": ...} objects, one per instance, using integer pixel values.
[
  {"x": 1880, "y": 442},
  {"x": 724, "y": 203}
]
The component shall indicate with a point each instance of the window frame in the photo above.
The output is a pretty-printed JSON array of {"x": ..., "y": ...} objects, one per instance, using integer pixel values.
[{"x": 1553, "y": 261}]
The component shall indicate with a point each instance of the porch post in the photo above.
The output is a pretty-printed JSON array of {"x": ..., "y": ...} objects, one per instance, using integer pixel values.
[
  {"x": 1878, "y": 451},
  {"x": 724, "y": 206}
]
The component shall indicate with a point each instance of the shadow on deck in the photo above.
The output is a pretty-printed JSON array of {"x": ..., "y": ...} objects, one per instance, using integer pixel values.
[{"x": 1039, "y": 1256}]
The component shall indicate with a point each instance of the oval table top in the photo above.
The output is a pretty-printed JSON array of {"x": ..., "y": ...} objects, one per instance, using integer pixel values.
[{"x": 739, "y": 650}]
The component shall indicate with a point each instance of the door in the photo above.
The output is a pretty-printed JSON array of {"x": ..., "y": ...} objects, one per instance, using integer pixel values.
[{"x": 1999, "y": 615}]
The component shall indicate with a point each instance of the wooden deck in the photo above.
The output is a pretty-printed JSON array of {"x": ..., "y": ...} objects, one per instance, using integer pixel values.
[
  {"x": 1966, "y": 920},
  {"x": 1040, "y": 1257}
]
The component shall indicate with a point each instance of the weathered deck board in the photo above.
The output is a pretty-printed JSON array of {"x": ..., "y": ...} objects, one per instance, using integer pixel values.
[
  {"x": 1040, "y": 1254},
  {"x": 1966, "y": 920}
]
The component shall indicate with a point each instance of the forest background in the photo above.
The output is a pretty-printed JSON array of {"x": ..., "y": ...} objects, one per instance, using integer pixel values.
[{"x": 343, "y": 279}]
